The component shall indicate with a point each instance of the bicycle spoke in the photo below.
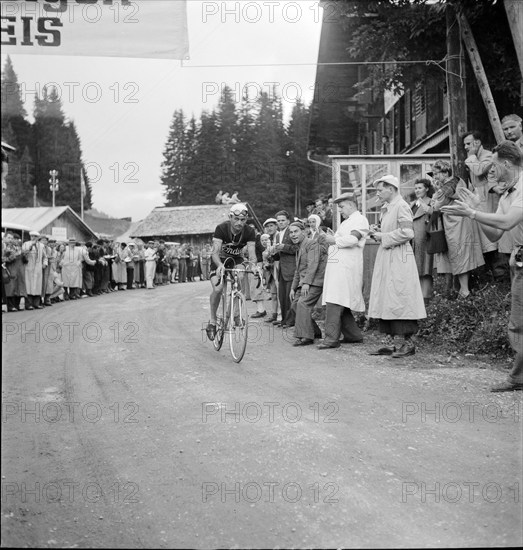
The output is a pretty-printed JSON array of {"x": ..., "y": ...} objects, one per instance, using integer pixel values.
[{"x": 238, "y": 326}]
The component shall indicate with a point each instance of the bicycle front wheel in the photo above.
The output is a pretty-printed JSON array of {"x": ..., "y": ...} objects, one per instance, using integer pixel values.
[{"x": 238, "y": 326}]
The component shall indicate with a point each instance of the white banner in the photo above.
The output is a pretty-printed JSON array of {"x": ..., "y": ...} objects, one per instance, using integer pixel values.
[
  {"x": 59, "y": 233},
  {"x": 98, "y": 28}
]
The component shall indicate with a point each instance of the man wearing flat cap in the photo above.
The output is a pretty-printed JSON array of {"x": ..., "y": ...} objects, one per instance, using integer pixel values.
[
  {"x": 342, "y": 288},
  {"x": 396, "y": 299},
  {"x": 71, "y": 264},
  {"x": 307, "y": 284}
]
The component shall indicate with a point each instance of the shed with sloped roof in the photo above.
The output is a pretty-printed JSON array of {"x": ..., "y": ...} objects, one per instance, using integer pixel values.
[
  {"x": 194, "y": 225},
  {"x": 46, "y": 218}
]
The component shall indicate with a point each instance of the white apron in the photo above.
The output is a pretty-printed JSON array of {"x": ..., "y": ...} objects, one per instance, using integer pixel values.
[{"x": 343, "y": 283}]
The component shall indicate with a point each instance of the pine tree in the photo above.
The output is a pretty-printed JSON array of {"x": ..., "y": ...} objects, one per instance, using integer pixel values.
[
  {"x": 175, "y": 158},
  {"x": 300, "y": 172},
  {"x": 70, "y": 169},
  {"x": 57, "y": 147},
  {"x": 228, "y": 136},
  {"x": 203, "y": 172},
  {"x": 245, "y": 169},
  {"x": 13, "y": 110},
  {"x": 16, "y": 131},
  {"x": 267, "y": 191},
  {"x": 19, "y": 191}
]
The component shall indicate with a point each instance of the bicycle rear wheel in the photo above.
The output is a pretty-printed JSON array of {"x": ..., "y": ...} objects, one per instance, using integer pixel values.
[
  {"x": 238, "y": 326},
  {"x": 220, "y": 324}
]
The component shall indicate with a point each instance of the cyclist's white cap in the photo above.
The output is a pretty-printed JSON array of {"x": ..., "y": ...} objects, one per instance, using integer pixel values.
[{"x": 239, "y": 209}]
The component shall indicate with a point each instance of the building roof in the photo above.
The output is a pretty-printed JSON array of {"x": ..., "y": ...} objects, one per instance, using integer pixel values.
[
  {"x": 40, "y": 217},
  {"x": 126, "y": 236},
  {"x": 107, "y": 228},
  {"x": 335, "y": 107},
  {"x": 184, "y": 220}
]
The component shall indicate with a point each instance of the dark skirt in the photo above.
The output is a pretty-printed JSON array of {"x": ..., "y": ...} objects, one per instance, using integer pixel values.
[{"x": 399, "y": 327}]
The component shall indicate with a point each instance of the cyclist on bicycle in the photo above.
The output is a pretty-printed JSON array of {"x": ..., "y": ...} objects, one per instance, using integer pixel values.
[{"x": 229, "y": 240}]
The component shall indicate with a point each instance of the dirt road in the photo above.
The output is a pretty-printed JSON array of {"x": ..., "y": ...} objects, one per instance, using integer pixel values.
[{"x": 122, "y": 427}]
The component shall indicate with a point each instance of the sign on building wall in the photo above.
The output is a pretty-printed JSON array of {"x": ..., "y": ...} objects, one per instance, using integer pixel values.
[
  {"x": 98, "y": 28},
  {"x": 59, "y": 233}
]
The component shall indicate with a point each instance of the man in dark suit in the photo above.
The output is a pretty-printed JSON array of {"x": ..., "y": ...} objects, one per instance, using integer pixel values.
[
  {"x": 286, "y": 251},
  {"x": 307, "y": 284}
]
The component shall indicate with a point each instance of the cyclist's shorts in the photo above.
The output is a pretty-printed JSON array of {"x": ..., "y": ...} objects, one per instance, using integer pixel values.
[{"x": 237, "y": 262}]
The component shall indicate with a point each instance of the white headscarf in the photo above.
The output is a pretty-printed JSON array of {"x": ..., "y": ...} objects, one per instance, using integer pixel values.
[{"x": 317, "y": 219}]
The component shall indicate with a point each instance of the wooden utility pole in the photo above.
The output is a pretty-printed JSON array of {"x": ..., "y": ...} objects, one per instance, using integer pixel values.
[
  {"x": 456, "y": 92},
  {"x": 481, "y": 77}
]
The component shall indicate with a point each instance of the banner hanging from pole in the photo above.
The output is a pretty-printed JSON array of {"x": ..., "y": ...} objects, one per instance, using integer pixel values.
[{"x": 98, "y": 28}]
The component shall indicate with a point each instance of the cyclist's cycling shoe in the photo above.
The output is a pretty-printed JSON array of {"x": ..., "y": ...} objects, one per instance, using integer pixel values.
[{"x": 211, "y": 331}]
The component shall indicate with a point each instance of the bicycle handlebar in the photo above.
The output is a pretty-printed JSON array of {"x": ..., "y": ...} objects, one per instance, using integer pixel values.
[{"x": 236, "y": 270}]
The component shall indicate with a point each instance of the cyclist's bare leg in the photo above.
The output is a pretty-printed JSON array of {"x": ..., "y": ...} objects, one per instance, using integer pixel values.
[{"x": 214, "y": 299}]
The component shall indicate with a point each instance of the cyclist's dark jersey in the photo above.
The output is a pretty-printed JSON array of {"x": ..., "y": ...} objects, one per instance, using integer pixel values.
[{"x": 232, "y": 245}]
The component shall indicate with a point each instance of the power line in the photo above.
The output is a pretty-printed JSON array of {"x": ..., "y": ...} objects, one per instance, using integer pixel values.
[{"x": 424, "y": 61}]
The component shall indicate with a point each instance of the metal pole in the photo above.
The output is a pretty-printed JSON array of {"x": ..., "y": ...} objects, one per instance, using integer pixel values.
[{"x": 54, "y": 183}]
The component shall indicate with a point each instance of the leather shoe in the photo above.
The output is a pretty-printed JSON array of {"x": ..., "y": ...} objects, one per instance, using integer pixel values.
[
  {"x": 404, "y": 351},
  {"x": 385, "y": 350},
  {"x": 258, "y": 314},
  {"x": 303, "y": 342},
  {"x": 271, "y": 318},
  {"x": 349, "y": 341},
  {"x": 326, "y": 346},
  {"x": 211, "y": 331},
  {"x": 507, "y": 386}
]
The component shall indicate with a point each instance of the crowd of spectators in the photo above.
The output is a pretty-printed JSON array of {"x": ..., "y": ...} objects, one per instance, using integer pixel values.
[{"x": 42, "y": 271}]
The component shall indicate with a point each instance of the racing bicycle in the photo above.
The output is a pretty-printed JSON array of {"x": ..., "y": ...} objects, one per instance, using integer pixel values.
[{"x": 231, "y": 316}]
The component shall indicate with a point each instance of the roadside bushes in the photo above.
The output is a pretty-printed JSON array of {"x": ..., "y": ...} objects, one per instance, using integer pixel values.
[{"x": 477, "y": 324}]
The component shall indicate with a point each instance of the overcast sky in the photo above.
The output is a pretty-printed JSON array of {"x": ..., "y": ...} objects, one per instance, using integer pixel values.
[{"x": 122, "y": 140}]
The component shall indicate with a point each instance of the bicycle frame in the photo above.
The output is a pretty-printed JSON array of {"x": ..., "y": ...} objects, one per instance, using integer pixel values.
[{"x": 233, "y": 319}]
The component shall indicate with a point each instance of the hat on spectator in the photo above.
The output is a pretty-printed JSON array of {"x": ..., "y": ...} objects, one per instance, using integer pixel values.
[
  {"x": 346, "y": 197},
  {"x": 390, "y": 179},
  {"x": 268, "y": 221},
  {"x": 299, "y": 224},
  {"x": 34, "y": 233},
  {"x": 513, "y": 117}
]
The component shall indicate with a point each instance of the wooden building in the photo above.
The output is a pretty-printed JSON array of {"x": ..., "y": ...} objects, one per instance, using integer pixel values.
[
  {"x": 60, "y": 222},
  {"x": 193, "y": 225},
  {"x": 376, "y": 122}
]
